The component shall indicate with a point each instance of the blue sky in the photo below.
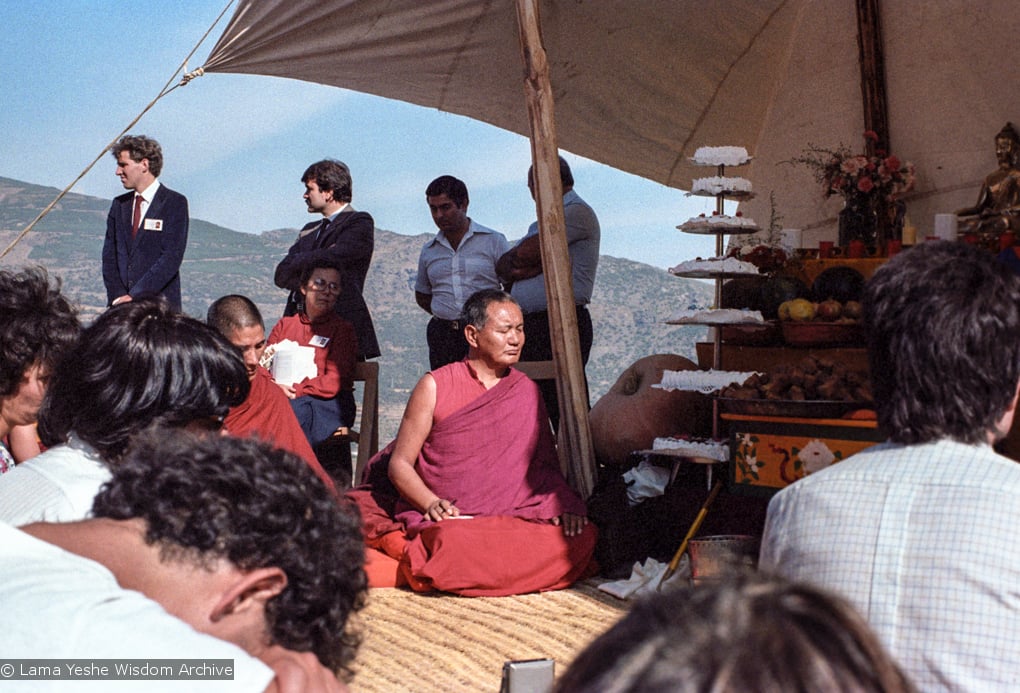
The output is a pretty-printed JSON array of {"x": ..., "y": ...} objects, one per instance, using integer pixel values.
[{"x": 76, "y": 72}]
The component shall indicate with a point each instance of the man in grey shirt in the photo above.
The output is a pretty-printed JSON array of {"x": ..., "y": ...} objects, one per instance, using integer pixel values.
[{"x": 522, "y": 266}]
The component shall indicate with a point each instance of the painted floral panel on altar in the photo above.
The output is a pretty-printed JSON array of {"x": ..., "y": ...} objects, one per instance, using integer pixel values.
[{"x": 766, "y": 457}]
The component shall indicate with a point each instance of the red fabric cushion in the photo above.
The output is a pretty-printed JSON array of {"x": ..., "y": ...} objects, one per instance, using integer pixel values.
[
  {"x": 392, "y": 544},
  {"x": 496, "y": 556},
  {"x": 382, "y": 571}
]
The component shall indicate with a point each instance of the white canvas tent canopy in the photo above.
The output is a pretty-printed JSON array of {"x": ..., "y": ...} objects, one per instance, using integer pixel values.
[{"x": 640, "y": 84}]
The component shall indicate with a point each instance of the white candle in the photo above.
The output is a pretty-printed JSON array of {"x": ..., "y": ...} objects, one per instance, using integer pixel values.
[{"x": 945, "y": 227}]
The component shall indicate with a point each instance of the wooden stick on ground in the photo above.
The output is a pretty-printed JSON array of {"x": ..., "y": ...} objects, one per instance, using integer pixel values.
[{"x": 690, "y": 533}]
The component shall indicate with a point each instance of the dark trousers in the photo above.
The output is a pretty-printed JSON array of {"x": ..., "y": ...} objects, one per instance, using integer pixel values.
[
  {"x": 318, "y": 416},
  {"x": 538, "y": 347},
  {"x": 446, "y": 342},
  {"x": 348, "y": 407},
  {"x": 334, "y": 452}
]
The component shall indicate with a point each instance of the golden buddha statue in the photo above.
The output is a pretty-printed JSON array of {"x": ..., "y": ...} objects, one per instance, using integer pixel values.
[{"x": 998, "y": 205}]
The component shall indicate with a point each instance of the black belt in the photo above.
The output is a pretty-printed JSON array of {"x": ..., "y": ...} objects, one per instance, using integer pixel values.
[
  {"x": 454, "y": 325},
  {"x": 577, "y": 306}
]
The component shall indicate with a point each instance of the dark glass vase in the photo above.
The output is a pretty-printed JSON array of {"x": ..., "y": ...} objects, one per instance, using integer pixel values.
[
  {"x": 897, "y": 217},
  {"x": 858, "y": 221}
]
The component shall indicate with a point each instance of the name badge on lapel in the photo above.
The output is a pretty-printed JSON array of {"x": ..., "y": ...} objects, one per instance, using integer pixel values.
[
  {"x": 319, "y": 341},
  {"x": 153, "y": 225}
]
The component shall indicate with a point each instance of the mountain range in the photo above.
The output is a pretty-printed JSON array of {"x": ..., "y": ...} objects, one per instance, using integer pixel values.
[{"x": 629, "y": 305}]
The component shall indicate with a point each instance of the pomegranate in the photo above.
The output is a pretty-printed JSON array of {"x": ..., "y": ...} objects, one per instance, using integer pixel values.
[{"x": 829, "y": 310}]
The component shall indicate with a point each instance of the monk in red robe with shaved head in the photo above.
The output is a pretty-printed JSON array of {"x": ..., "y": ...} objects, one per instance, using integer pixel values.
[
  {"x": 266, "y": 413},
  {"x": 469, "y": 498}
]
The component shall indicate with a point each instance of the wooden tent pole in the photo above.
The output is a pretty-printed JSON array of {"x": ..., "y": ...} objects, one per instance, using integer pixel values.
[
  {"x": 575, "y": 442},
  {"x": 872, "y": 62}
]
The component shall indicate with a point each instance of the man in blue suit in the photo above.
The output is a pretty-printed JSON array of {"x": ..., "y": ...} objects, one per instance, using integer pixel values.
[{"x": 146, "y": 230}]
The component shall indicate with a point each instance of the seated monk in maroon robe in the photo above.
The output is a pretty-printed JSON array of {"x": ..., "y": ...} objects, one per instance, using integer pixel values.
[
  {"x": 266, "y": 413},
  {"x": 469, "y": 498}
]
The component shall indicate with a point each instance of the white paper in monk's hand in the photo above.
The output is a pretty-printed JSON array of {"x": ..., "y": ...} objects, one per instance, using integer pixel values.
[{"x": 292, "y": 362}]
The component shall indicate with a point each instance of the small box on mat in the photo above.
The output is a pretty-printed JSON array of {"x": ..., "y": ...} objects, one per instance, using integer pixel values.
[{"x": 527, "y": 676}]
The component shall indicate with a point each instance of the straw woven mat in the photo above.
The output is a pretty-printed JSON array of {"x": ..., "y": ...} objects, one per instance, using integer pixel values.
[{"x": 441, "y": 642}]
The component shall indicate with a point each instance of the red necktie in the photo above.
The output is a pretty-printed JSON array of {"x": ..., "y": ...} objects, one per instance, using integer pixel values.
[{"x": 136, "y": 218}]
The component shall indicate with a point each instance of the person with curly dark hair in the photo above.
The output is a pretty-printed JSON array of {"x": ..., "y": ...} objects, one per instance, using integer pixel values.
[
  {"x": 748, "y": 633},
  {"x": 37, "y": 326},
  {"x": 137, "y": 365},
  {"x": 232, "y": 536}
]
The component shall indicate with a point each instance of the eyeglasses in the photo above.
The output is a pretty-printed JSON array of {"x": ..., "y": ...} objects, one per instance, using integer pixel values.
[{"x": 321, "y": 284}]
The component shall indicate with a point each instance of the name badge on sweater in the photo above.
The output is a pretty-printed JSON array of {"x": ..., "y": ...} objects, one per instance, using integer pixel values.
[
  {"x": 153, "y": 225},
  {"x": 319, "y": 341}
]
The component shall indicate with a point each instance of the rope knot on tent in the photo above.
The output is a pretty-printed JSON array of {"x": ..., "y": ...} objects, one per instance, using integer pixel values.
[{"x": 192, "y": 75}]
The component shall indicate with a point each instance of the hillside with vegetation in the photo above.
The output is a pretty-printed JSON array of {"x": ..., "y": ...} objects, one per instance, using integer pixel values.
[{"x": 629, "y": 306}]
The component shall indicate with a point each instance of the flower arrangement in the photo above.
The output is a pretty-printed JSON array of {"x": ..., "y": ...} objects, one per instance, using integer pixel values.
[
  {"x": 764, "y": 252},
  {"x": 858, "y": 176}
]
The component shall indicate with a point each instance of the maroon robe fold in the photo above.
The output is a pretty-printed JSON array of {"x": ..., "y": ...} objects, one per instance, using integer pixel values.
[
  {"x": 267, "y": 415},
  {"x": 495, "y": 457}
]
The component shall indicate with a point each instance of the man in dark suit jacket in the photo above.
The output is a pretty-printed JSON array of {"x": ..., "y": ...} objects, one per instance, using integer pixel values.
[
  {"x": 146, "y": 230},
  {"x": 343, "y": 235}
]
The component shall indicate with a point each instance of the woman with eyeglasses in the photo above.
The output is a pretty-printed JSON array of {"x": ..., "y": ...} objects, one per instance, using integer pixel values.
[{"x": 335, "y": 345}]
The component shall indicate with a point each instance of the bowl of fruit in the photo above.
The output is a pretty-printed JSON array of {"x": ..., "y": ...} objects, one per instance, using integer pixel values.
[{"x": 829, "y": 323}]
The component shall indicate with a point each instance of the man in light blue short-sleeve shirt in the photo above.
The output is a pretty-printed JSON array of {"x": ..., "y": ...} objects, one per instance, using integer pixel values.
[{"x": 459, "y": 261}]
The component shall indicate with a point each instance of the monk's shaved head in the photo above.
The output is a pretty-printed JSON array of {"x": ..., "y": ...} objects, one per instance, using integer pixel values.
[{"x": 233, "y": 312}]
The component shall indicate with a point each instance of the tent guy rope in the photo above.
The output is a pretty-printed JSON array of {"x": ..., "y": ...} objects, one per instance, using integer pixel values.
[{"x": 167, "y": 88}]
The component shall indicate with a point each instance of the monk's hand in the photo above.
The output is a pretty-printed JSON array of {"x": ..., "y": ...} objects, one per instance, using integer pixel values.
[
  {"x": 440, "y": 509},
  {"x": 572, "y": 524},
  {"x": 288, "y": 390}
]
